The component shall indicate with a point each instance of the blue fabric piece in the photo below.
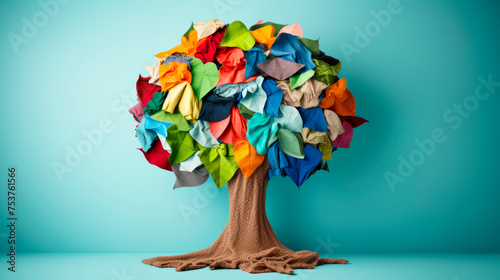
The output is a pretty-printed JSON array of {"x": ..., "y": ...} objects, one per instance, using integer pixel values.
[
  {"x": 215, "y": 108},
  {"x": 230, "y": 90},
  {"x": 156, "y": 126},
  {"x": 253, "y": 57},
  {"x": 172, "y": 58},
  {"x": 288, "y": 47},
  {"x": 299, "y": 170},
  {"x": 262, "y": 128},
  {"x": 278, "y": 161},
  {"x": 274, "y": 97},
  {"x": 313, "y": 118},
  {"x": 145, "y": 136}
]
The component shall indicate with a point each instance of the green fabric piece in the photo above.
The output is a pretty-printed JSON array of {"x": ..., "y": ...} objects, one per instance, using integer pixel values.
[
  {"x": 155, "y": 104},
  {"x": 191, "y": 28},
  {"x": 219, "y": 162},
  {"x": 247, "y": 113},
  {"x": 237, "y": 35},
  {"x": 325, "y": 72},
  {"x": 299, "y": 79},
  {"x": 175, "y": 118},
  {"x": 181, "y": 143},
  {"x": 277, "y": 27},
  {"x": 291, "y": 143},
  {"x": 204, "y": 77},
  {"x": 311, "y": 45}
]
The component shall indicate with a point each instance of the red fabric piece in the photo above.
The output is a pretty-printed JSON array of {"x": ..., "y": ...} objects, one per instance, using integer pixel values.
[
  {"x": 145, "y": 90},
  {"x": 232, "y": 129},
  {"x": 344, "y": 139},
  {"x": 158, "y": 156},
  {"x": 207, "y": 50},
  {"x": 354, "y": 121},
  {"x": 233, "y": 67}
]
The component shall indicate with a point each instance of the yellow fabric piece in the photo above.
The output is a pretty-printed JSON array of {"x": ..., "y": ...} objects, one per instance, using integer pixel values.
[
  {"x": 264, "y": 35},
  {"x": 187, "y": 46},
  {"x": 182, "y": 96}
]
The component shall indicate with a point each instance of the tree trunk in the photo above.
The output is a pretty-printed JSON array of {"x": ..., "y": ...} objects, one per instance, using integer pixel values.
[{"x": 248, "y": 241}]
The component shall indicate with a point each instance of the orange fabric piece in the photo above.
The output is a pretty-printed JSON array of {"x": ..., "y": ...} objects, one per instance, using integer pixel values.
[
  {"x": 247, "y": 157},
  {"x": 187, "y": 46},
  {"x": 232, "y": 129},
  {"x": 233, "y": 67},
  {"x": 173, "y": 74},
  {"x": 339, "y": 99},
  {"x": 264, "y": 35}
]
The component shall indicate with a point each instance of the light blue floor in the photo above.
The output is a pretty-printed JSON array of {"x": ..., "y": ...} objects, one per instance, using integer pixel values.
[{"x": 128, "y": 266}]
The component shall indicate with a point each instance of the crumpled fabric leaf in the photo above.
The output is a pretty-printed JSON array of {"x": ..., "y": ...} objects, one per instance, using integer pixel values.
[
  {"x": 278, "y": 68},
  {"x": 339, "y": 99},
  {"x": 344, "y": 139},
  {"x": 311, "y": 45},
  {"x": 264, "y": 35},
  {"x": 157, "y": 156},
  {"x": 216, "y": 108},
  {"x": 182, "y": 96},
  {"x": 298, "y": 80},
  {"x": 325, "y": 72},
  {"x": 305, "y": 96},
  {"x": 313, "y": 118},
  {"x": 158, "y": 127},
  {"x": 253, "y": 57},
  {"x": 173, "y": 74},
  {"x": 181, "y": 144},
  {"x": 277, "y": 27},
  {"x": 326, "y": 58},
  {"x": 189, "y": 179},
  {"x": 333, "y": 123},
  {"x": 260, "y": 129},
  {"x": 288, "y": 47},
  {"x": 277, "y": 160},
  {"x": 173, "y": 58},
  {"x": 319, "y": 140},
  {"x": 274, "y": 97},
  {"x": 290, "y": 119},
  {"x": 172, "y": 118},
  {"x": 247, "y": 113},
  {"x": 191, "y": 163},
  {"x": 233, "y": 68},
  {"x": 298, "y": 169},
  {"x": 253, "y": 95},
  {"x": 291, "y": 143},
  {"x": 145, "y": 136},
  {"x": 294, "y": 29},
  {"x": 237, "y": 35},
  {"x": 219, "y": 162},
  {"x": 201, "y": 134},
  {"x": 354, "y": 121},
  {"x": 231, "y": 129},
  {"x": 145, "y": 90},
  {"x": 204, "y": 77},
  {"x": 137, "y": 111},
  {"x": 154, "y": 72},
  {"x": 205, "y": 29},
  {"x": 247, "y": 157},
  {"x": 188, "y": 45},
  {"x": 207, "y": 50},
  {"x": 154, "y": 105}
]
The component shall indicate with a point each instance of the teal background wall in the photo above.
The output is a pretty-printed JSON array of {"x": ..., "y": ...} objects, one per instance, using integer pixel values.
[{"x": 78, "y": 71}]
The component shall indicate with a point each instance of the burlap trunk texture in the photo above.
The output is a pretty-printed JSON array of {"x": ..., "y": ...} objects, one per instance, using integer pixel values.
[{"x": 247, "y": 242}]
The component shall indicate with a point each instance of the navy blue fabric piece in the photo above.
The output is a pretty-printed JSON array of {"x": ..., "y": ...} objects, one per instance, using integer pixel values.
[
  {"x": 299, "y": 170},
  {"x": 288, "y": 47},
  {"x": 313, "y": 118},
  {"x": 253, "y": 57},
  {"x": 215, "y": 108},
  {"x": 274, "y": 97},
  {"x": 277, "y": 159}
]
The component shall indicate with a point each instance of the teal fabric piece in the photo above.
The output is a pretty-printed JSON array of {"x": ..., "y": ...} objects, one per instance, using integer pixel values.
[
  {"x": 201, "y": 134},
  {"x": 254, "y": 97},
  {"x": 260, "y": 129},
  {"x": 290, "y": 119}
]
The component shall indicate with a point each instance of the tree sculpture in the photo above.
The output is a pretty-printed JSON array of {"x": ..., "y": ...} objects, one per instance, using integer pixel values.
[{"x": 244, "y": 105}]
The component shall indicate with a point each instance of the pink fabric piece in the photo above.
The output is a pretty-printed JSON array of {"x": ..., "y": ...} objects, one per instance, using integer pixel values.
[
  {"x": 137, "y": 111},
  {"x": 344, "y": 139}
]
